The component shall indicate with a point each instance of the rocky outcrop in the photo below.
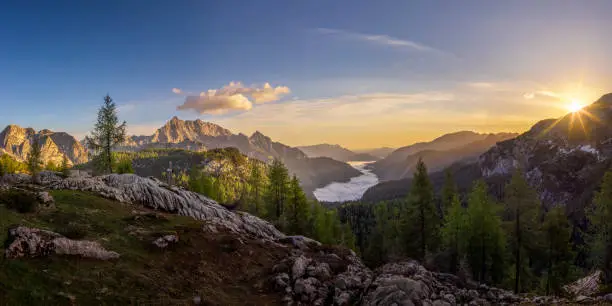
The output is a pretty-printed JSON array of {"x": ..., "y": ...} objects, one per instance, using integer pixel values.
[
  {"x": 152, "y": 193},
  {"x": 586, "y": 286},
  {"x": 326, "y": 277},
  {"x": 33, "y": 242},
  {"x": 16, "y": 141},
  {"x": 165, "y": 241}
]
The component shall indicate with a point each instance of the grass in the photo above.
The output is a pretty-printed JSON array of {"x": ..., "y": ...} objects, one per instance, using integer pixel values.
[{"x": 200, "y": 264}]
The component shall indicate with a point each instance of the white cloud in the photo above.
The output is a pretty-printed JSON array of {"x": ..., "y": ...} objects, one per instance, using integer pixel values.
[
  {"x": 177, "y": 91},
  {"x": 380, "y": 39},
  {"x": 234, "y": 96}
]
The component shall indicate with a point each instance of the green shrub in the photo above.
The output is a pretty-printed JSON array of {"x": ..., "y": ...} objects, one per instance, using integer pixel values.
[
  {"x": 19, "y": 200},
  {"x": 124, "y": 166}
]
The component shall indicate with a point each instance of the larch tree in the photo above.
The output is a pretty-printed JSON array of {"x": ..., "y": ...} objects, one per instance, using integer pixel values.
[
  {"x": 522, "y": 209},
  {"x": 278, "y": 188},
  {"x": 107, "y": 134},
  {"x": 421, "y": 216},
  {"x": 559, "y": 254},
  {"x": 485, "y": 240},
  {"x": 256, "y": 191},
  {"x": 449, "y": 191},
  {"x": 297, "y": 211},
  {"x": 34, "y": 161},
  {"x": 453, "y": 232}
]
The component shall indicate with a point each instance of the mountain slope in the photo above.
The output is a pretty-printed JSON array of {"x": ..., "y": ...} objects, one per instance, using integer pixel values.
[
  {"x": 381, "y": 152},
  {"x": 564, "y": 159},
  {"x": 437, "y": 154},
  {"x": 16, "y": 141},
  {"x": 336, "y": 152}
]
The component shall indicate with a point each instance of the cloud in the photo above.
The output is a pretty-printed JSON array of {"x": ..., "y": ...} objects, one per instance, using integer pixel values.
[
  {"x": 543, "y": 93},
  {"x": 177, "y": 91},
  {"x": 232, "y": 97},
  {"x": 380, "y": 39}
]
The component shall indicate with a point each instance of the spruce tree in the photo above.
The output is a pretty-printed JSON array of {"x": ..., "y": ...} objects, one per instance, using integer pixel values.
[
  {"x": 34, "y": 162},
  {"x": 277, "y": 192},
  {"x": 421, "y": 223},
  {"x": 107, "y": 133},
  {"x": 599, "y": 217},
  {"x": 453, "y": 232},
  {"x": 521, "y": 212},
  {"x": 559, "y": 255},
  {"x": 297, "y": 209}
]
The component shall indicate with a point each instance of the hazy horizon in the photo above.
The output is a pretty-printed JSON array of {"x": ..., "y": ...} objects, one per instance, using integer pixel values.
[{"x": 363, "y": 75}]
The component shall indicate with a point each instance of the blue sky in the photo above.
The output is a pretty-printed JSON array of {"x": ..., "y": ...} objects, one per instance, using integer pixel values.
[{"x": 357, "y": 73}]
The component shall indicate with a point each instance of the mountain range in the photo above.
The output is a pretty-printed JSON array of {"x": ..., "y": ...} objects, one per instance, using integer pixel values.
[
  {"x": 336, "y": 152},
  {"x": 194, "y": 135},
  {"x": 437, "y": 154},
  {"x": 564, "y": 159},
  {"x": 16, "y": 141}
]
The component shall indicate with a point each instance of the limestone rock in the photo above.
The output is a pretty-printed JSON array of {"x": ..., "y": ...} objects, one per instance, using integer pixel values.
[
  {"x": 33, "y": 242},
  {"x": 165, "y": 241}
]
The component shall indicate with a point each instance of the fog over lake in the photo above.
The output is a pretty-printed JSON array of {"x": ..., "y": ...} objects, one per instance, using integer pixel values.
[{"x": 349, "y": 191}]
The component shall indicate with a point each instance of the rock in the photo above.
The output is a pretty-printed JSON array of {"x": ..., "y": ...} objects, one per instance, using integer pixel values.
[
  {"x": 342, "y": 299},
  {"x": 306, "y": 288},
  {"x": 299, "y": 267},
  {"x": 164, "y": 241},
  {"x": 320, "y": 271},
  {"x": 587, "y": 286},
  {"x": 281, "y": 281},
  {"x": 441, "y": 303},
  {"x": 299, "y": 242},
  {"x": 450, "y": 299},
  {"x": 152, "y": 193},
  {"x": 32, "y": 242},
  {"x": 584, "y": 299},
  {"x": 45, "y": 199},
  {"x": 197, "y": 300},
  {"x": 607, "y": 297}
]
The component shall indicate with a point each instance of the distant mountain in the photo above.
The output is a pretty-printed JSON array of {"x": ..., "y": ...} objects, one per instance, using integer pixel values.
[
  {"x": 336, "y": 152},
  {"x": 17, "y": 141},
  {"x": 564, "y": 159},
  {"x": 437, "y": 154},
  {"x": 199, "y": 135},
  {"x": 378, "y": 152}
]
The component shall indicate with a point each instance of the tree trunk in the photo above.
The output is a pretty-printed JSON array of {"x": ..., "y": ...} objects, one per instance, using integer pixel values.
[{"x": 518, "y": 253}]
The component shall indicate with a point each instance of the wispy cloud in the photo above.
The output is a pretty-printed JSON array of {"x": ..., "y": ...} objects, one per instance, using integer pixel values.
[
  {"x": 380, "y": 39},
  {"x": 232, "y": 97}
]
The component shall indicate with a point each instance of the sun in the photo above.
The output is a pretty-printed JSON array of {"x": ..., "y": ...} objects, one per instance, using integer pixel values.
[{"x": 575, "y": 106}]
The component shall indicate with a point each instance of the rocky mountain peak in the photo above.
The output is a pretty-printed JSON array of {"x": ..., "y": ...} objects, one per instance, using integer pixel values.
[{"x": 605, "y": 99}]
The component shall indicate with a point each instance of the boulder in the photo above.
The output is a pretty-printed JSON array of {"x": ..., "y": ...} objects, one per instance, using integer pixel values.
[
  {"x": 33, "y": 242},
  {"x": 165, "y": 241}
]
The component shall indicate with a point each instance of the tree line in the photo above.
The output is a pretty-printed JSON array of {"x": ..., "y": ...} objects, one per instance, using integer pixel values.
[{"x": 516, "y": 243}]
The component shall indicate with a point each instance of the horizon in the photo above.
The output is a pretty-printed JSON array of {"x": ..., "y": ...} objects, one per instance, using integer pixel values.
[{"x": 365, "y": 75}]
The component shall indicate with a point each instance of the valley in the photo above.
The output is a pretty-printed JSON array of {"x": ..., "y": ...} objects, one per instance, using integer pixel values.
[{"x": 351, "y": 190}]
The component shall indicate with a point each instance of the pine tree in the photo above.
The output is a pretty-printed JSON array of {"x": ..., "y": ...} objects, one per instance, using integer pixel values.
[
  {"x": 521, "y": 212},
  {"x": 453, "y": 232},
  {"x": 297, "y": 209},
  {"x": 600, "y": 240},
  {"x": 106, "y": 135},
  {"x": 559, "y": 255},
  {"x": 34, "y": 161},
  {"x": 485, "y": 240},
  {"x": 276, "y": 194},
  {"x": 422, "y": 222}
]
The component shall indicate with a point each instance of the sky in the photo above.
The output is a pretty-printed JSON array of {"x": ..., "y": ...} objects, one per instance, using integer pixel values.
[{"x": 361, "y": 74}]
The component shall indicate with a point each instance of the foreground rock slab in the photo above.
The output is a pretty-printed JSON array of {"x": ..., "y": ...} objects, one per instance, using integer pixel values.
[{"x": 32, "y": 242}]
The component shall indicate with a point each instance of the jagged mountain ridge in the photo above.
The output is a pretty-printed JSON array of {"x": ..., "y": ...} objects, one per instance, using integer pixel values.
[
  {"x": 16, "y": 141},
  {"x": 437, "y": 154},
  {"x": 336, "y": 152},
  {"x": 199, "y": 135}
]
